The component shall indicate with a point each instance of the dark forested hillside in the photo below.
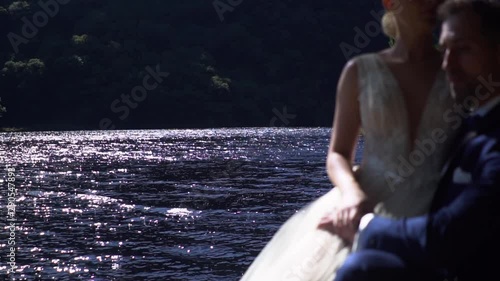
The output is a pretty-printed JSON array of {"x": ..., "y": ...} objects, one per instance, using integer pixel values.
[{"x": 126, "y": 64}]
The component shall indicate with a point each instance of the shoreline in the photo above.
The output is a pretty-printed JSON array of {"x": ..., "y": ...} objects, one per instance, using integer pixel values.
[{"x": 48, "y": 129}]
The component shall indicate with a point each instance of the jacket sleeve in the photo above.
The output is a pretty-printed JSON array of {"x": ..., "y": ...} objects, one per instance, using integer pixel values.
[{"x": 449, "y": 235}]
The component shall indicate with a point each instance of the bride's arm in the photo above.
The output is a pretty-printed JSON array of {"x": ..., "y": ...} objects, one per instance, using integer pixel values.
[
  {"x": 344, "y": 219},
  {"x": 345, "y": 132}
]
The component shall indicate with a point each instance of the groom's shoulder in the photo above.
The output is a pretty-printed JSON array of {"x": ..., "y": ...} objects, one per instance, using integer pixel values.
[
  {"x": 495, "y": 133},
  {"x": 488, "y": 130},
  {"x": 486, "y": 142},
  {"x": 483, "y": 154},
  {"x": 492, "y": 135},
  {"x": 494, "y": 140}
]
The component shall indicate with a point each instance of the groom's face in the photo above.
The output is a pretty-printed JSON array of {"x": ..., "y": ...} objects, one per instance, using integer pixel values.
[{"x": 468, "y": 55}]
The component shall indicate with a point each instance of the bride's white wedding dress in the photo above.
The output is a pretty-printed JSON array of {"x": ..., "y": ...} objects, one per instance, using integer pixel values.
[{"x": 403, "y": 179}]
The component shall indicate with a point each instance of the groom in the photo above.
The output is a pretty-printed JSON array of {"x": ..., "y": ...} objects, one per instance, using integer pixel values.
[{"x": 459, "y": 239}]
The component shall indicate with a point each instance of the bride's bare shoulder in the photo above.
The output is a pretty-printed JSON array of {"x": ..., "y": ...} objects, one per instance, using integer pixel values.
[
  {"x": 350, "y": 69},
  {"x": 385, "y": 53},
  {"x": 349, "y": 73}
]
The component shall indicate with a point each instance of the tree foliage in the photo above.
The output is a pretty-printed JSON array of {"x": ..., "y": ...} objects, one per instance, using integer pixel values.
[{"x": 264, "y": 55}]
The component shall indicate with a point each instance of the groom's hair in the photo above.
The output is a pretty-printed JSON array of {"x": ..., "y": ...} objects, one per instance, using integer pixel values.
[{"x": 488, "y": 11}]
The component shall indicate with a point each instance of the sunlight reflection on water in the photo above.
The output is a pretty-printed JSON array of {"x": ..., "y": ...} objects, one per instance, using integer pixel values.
[{"x": 156, "y": 204}]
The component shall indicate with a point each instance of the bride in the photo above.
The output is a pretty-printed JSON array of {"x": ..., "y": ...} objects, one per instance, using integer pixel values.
[{"x": 398, "y": 97}]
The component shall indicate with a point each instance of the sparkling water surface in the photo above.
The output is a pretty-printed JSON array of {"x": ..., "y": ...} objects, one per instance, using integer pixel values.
[{"x": 154, "y": 204}]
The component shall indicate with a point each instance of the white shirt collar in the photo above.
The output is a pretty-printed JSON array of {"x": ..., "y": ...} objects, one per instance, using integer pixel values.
[{"x": 485, "y": 108}]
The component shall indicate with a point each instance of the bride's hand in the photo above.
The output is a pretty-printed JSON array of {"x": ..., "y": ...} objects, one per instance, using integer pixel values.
[{"x": 344, "y": 221}]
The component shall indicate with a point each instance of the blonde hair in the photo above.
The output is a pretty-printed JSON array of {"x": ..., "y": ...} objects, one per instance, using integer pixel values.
[{"x": 389, "y": 24}]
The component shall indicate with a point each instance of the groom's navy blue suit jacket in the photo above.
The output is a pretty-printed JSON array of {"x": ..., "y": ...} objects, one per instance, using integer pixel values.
[{"x": 461, "y": 235}]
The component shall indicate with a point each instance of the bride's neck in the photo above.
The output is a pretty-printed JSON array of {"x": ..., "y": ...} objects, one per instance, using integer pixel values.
[{"x": 410, "y": 47}]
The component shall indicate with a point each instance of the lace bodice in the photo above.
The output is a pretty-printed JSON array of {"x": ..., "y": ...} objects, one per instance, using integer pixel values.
[{"x": 401, "y": 178}]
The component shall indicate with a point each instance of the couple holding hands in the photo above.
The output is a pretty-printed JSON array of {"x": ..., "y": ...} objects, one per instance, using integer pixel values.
[{"x": 438, "y": 111}]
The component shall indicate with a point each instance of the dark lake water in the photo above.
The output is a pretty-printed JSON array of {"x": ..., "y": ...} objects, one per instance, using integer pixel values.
[{"x": 153, "y": 204}]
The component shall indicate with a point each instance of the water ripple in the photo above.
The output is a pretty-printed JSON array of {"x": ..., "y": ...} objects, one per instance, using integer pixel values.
[{"x": 156, "y": 204}]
